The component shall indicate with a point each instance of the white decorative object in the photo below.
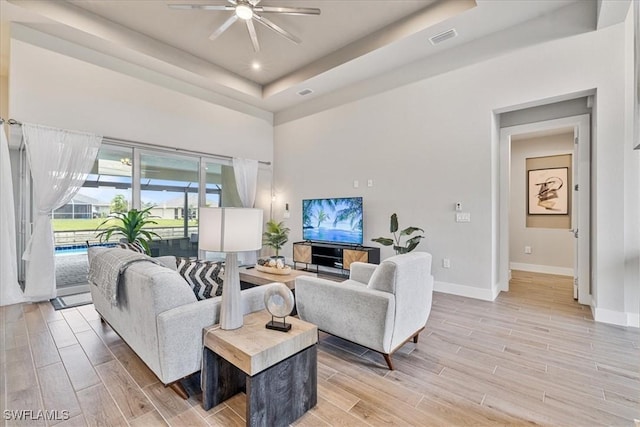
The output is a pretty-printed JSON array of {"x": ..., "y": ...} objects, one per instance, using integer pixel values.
[
  {"x": 279, "y": 302},
  {"x": 230, "y": 230}
]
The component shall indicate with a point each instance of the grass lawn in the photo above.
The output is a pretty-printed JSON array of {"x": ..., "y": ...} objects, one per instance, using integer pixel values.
[{"x": 92, "y": 224}]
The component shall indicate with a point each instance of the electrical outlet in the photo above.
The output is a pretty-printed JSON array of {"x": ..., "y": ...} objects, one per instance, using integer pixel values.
[
  {"x": 446, "y": 263},
  {"x": 527, "y": 249},
  {"x": 369, "y": 183}
]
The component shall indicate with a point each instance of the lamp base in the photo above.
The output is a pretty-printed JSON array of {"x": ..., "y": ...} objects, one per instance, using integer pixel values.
[{"x": 231, "y": 312}]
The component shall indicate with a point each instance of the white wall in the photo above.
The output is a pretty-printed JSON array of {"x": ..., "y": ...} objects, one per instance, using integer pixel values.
[
  {"x": 56, "y": 90},
  {"x": 4, "y": 97},
  {"x": 432, "y": 143},
  {"x": 551, "y": 249}
]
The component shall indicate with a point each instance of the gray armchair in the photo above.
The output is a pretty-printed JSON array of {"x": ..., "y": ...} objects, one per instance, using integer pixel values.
[{"x": 380, "y": 307}]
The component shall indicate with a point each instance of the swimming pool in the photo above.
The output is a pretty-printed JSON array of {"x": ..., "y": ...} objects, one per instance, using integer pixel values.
[{"x": 78, "y": 249}]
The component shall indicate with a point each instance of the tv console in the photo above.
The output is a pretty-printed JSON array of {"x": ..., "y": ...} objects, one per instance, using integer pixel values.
[{"x": 333, "y": 255}]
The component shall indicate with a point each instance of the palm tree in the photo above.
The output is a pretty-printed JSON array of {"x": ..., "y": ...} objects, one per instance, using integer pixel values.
[
  {"x": 352, "y": 212},
  {"x": 130, "y": 226},
  {"x": 276, "y": 235},
  {"x": 321, "y": 216}
]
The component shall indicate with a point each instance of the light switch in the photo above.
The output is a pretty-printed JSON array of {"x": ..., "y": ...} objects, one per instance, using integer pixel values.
[
  {"x": 356, "y": 184},
  {"x": 369, "y": 183},
  {"x": 463, "y": 216}
]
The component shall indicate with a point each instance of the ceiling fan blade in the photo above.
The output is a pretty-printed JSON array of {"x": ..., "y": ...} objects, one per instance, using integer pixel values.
[
  {"x": 270, "y": 25},
  {"x": 288, "y": 10},
  {"x": 253, "y": 35},
  {"x": 222, "y": 28},
  {"x": 200, "y": 6}
]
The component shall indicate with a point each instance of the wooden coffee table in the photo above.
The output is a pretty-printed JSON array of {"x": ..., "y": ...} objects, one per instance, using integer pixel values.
[{"x": 256, "y": 277}]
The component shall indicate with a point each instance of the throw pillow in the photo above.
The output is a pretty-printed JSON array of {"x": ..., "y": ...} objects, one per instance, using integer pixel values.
[
  {"x": 133, "y": 246},
  {"x": 202, "y": 276}
]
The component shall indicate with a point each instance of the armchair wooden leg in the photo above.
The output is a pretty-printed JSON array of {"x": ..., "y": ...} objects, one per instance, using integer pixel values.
[
  {"x": 387, "y": 358},
  {"x": 415, "y": 338},
  {"x": 179, "y": 389}
]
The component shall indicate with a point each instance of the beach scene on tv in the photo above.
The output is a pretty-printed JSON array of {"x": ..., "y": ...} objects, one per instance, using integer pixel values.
[{"x": 336, "y": 220}]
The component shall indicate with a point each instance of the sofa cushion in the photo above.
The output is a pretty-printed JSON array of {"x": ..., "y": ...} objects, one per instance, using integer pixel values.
[
  {"x": 384, "y": 277},
  {"x": 202, "y": 276}
]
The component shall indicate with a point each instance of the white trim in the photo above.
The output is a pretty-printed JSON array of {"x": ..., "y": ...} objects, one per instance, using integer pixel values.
[
  {"x": 504, "y": 166},
  {"x": 633, "y": 319},
  {"x": 466, "y": 291},
  {"x": 619, "y": 318},
  {"x": 546, "y": 269}
]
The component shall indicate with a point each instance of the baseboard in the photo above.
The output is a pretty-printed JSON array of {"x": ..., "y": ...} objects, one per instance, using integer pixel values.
[
  {"x": 619, "y": 318},
  {"x": 545, "y": 269},
  {"x": 466, "y": 291},
  {"x": 633, "y": 319}
]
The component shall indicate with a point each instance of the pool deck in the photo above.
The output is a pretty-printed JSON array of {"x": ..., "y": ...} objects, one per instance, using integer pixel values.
[{"x": 71, "y": 269}]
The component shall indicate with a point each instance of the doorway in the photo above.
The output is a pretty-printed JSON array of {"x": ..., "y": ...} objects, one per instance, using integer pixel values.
[{"x": 523, "y": 151}]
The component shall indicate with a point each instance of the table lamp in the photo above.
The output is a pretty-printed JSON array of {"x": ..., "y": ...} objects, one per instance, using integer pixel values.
[{"x": 230, "y": 230}]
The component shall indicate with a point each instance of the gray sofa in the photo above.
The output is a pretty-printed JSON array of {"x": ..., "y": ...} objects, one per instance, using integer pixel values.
[
  {"x": 380, "y": 307},
  {"x": 159, "y": 317}
]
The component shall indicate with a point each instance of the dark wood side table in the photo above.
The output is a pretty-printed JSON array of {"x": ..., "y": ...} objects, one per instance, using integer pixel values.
[{"x": 277, "y": 370}]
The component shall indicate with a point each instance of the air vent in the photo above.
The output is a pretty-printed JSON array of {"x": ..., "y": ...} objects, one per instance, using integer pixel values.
[
  {"x": 304, "y": 92},
  {"x": 439, "y": 38}
]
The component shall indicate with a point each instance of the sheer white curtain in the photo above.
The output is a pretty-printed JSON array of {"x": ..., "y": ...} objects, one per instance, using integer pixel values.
[
  {"x": 246, "y": 174},
  {"x": 59, "y": 161},
  {"x": 10, "y": 292}
]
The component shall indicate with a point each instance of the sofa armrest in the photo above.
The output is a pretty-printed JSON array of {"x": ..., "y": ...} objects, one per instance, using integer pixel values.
[
  {"x": 361, "y": 271},
  {"x": 180, "y": 331},
  {"x": 168, "y": 261},
  {"x": 348, "y": 310}
]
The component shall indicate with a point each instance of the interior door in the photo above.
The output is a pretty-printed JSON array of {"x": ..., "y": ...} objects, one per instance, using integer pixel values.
[{"x": 580, "y": 212}]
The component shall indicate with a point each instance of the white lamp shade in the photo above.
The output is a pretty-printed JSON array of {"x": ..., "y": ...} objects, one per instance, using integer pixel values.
[{"x": 230, "y": 229}]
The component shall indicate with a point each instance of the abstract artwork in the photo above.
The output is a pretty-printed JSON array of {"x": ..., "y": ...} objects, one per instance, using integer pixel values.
[{"x": 547, "y": 192}]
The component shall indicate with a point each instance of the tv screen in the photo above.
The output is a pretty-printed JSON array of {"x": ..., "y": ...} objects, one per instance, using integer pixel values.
[{"x": 335, "y": 220}]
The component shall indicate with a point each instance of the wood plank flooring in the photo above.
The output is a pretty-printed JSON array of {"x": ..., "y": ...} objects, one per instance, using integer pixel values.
[{"x": 534, "y": 356}]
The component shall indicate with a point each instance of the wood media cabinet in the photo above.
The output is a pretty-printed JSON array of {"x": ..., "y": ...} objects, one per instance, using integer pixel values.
[{"x": 333, "y": 255}]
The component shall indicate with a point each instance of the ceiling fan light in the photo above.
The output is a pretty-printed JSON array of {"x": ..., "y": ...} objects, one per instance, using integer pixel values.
[{"x": 244, "y": 11}]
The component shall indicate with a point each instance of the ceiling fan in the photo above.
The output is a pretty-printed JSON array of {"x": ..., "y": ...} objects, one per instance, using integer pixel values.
[{"x": 247, "y": 10}]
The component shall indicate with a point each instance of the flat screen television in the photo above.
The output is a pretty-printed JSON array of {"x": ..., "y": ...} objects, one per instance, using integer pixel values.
[{"x": 334, "y": 220}]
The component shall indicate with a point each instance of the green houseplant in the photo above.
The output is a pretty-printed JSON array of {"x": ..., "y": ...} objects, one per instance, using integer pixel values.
[
  {"x": 409, "y": 245},
  {"x": 275, "y": 235},
  {"x": 130, "y": 226}
]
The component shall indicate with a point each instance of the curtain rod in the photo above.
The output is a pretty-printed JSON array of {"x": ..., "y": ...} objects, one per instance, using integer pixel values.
[{"x": 126, "y": 142}]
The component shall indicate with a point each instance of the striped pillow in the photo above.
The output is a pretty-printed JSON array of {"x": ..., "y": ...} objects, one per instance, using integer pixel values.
[
  {"x": 134, "y": 246},
  {"x": 202, "y": 276}
]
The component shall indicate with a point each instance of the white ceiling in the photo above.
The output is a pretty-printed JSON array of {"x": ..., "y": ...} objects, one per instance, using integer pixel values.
[{"x": 350, "y": 42}]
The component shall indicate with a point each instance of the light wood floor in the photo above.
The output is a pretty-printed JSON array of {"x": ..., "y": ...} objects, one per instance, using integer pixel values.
[{"x": 534, "y": 356}]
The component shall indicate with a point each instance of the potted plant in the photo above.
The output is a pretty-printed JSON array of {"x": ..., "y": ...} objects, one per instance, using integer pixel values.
[
  {"x": 409, "y": 245},
  {"x": 275, "y": 236},
  {"x": 130, "y": 226}
]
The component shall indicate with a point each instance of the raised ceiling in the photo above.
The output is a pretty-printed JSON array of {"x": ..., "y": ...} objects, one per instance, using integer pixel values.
[{"x": 350, "y": 42}]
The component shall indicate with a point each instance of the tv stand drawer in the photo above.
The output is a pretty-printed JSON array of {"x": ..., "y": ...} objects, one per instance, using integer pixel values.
[{"x": 334, "y": 255}]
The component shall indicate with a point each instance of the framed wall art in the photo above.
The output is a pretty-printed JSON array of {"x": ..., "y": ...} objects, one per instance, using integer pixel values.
[{"x": 548, "y": 191}]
